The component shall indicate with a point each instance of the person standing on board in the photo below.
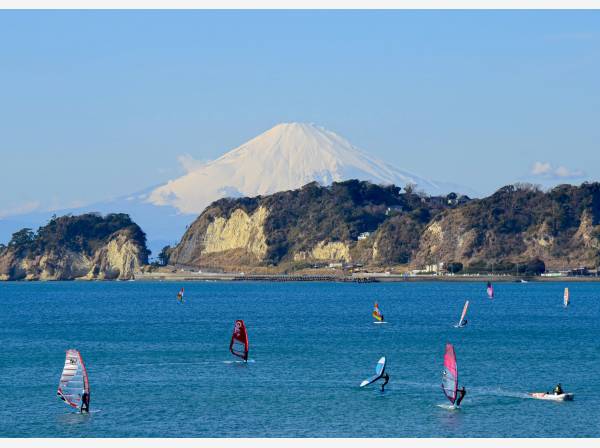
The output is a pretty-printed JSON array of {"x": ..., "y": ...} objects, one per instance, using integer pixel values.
[
  {"x": 386, "y": 379},
  {"x": 85, "y": 403},
  {"x": 461, "y": 394}
]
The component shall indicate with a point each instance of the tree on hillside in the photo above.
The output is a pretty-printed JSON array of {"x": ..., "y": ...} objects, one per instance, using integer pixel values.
[
  {"x": 22, "y": 238},
  {"x": 163, "y": 256}
]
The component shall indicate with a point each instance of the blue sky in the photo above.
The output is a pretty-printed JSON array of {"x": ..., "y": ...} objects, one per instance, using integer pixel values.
[{"x": 100, "y": 104}]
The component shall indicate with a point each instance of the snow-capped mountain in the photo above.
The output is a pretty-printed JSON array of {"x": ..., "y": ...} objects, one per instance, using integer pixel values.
[{"x": 285, "y": 157}]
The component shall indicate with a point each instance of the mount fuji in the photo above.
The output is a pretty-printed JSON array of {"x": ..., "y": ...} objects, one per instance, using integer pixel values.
[{"x": 285, "y": 157}]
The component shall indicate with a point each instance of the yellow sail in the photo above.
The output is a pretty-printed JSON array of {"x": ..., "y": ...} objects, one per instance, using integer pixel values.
[{"x": 376, "y": 313}]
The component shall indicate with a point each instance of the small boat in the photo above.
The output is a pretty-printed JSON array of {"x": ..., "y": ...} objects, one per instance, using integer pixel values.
[
  {"x": 239, "y": 340},
  {"x": 566, "y": 298},
  {"x": 74, "y": 380},
  {"x": 490, "y": 290},
  {"x": 462, "y": 322},
  {"x": 377, "y": 315},
  {"x": 552, "y": 397}
]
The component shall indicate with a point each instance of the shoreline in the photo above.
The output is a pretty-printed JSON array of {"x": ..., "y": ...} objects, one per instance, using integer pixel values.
[
  {"x": 333, "y": 278},
  {"x": 363, "y": 278}
]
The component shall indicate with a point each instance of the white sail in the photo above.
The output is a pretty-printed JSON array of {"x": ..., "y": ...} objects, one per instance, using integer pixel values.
[
  {"x": 74, "y": 379},
  {"x": 566, "y": 297},
  {"x": 462, "y": 316}
]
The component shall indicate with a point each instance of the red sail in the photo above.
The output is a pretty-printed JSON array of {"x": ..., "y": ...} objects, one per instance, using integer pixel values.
[
  {"x": 450, "y": 374},
  {"x": 239, "y": 340}
]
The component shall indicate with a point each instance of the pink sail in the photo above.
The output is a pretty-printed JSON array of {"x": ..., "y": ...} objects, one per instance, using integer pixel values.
[
  {"x": 450, "y": 374},
  {"x": 490, "y": 290}
]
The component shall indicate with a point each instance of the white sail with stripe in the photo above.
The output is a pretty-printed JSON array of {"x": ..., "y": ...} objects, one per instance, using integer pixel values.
[
  {"x": 462, "y": 322},
  {"x": 74, "y": 379}
]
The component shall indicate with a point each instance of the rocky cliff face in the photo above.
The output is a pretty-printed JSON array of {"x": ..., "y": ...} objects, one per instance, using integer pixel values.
[
  {"x": 81, "y": 247},
  {"x": 516, "y": 224},
  {"x": 311, "y": 224}
]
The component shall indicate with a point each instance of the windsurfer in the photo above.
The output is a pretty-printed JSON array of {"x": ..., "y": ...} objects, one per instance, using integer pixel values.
[
  {"x": 461, "y": 394},
  {"x": 558, "y": 390},
  {"x": 85, "y": 403},
  {"x": 386, "y": 379}
]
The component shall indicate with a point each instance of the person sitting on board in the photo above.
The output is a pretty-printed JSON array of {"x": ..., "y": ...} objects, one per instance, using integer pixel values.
[
  {"x": 85, "y": 403},
  {"x": 558, "y": 390},
  {"x": 461, "y": 394},
  {"x": 386, "y": 379}
]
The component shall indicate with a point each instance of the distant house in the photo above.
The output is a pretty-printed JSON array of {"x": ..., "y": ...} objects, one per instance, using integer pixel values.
[
  {"x": 364, "y": 236},
  {"x": 454, "y": 199},
  {"x": 393, "y": 209},
  {"x": 336, "y": 265}
]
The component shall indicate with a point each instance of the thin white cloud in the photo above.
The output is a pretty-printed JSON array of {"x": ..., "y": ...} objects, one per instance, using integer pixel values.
[
  {"x": 546, "y": 170},
  {"x": 541, "y": 168},
  {"x": 20, "y": 209},
  {"x": 188, "y": 163}
]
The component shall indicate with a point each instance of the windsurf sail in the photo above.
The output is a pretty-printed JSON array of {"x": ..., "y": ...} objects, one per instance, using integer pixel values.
[
  {"x": 376, "y": 313},
  {"x": 239, "y": 340},
  {"x": 379, "y": 371},
  {"x": 450, "y": 374},
  {"x": 74, "y": 379},
  {"x": 462, "y": 316},
  {"x": 180, "y": 295},
  {"x": 490, "y": 290},
  {"x": 566, "y": 297}
]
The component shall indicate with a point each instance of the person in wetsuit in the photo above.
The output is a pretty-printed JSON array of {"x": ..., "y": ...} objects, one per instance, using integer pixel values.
[
  {"x": 558, "y": 390},
  {"x": 464, "y": 322},
  {"x": 85, "y": 403},
  {"x": 461, "y": 394},
  {"x": 386, "y": 379}
]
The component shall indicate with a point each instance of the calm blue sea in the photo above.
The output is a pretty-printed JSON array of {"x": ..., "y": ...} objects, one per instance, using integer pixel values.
[{"x": 160, "y": 368}]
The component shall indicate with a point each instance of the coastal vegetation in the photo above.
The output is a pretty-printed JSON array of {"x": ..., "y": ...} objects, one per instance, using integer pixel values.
[
  {"x": 88, "y": 245},
  {"x": 519, "y": 229}
]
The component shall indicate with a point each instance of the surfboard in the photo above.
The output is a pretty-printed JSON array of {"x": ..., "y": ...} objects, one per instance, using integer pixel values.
[{"x": 379, "y": 371}]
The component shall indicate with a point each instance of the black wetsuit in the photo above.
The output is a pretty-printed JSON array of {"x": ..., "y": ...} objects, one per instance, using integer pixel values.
[
  {"x": 558, "y": 390},
  {"x": 85, "y": 403},
  {"x": 462, "y": 392},
  {"x": 386, "y": 379}
]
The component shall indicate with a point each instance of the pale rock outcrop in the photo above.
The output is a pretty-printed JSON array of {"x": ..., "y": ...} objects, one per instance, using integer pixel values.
[
  {"x": 335, "y": 250},
  {"x": 239, "y": 231}
]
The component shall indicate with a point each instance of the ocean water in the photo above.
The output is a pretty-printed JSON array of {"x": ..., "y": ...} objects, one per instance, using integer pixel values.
[{"x": 161, "y": 368}]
